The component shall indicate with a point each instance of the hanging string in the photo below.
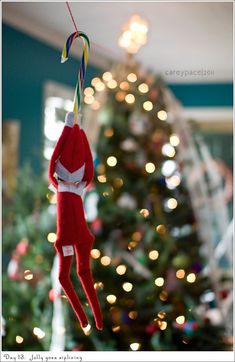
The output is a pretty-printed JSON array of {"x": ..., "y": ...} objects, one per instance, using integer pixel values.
[{"x": 71, "y": 15}]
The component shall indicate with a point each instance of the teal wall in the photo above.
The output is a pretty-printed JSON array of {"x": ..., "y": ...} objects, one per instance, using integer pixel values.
[
  {"x": 29, "y": 63},
  {"x": 204, "y": 95}
]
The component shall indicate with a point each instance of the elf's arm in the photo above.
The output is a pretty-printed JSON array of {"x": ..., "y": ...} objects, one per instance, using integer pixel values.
[
  {"x": 89, "y": 165},
  {"x": 56, "y": 153}
]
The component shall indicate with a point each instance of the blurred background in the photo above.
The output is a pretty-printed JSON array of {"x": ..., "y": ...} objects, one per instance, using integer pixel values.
[{"x": 158, "y": 115}]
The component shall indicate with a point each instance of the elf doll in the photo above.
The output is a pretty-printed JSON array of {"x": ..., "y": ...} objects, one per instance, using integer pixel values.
[{"x": 70, "y": 171}]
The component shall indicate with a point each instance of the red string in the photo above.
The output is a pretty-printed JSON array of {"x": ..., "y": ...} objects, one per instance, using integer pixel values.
[
  {"x": 102, "y": 48},
  {"x": 70, "y": 12}
]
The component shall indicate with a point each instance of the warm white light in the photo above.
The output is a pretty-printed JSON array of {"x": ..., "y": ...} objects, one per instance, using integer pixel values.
[
  {"x": 88, "y": 91},
  {"x": 172, "y": 203},
  {"x": 51, "y": 237},
  {"x": 132, "y": 314},
  {"x": 95, "y": 81},
  {"x": 134, "y": 35},
  {"x": 120, "y": 96},
  {"x": 143, "y": 88},
  {"x": 28, "y": 275},
  {"x": 111, "y": 298},
  {"x": 99, "y": 86},
  {"x": 102, "y": 178},
  {"x": 105, "y": 260},
  {"x": 89, "y": 99},
  {"x": 132, "y": 77},
  {"x": 107, "y": 76},
  {"x": 173, "y": 181},
  {"x": 121, "y": 269},
  {"x": 19, "y": 339},
  {"x": 111, "y": 161},
  {"x": 127, "y": 286},
  {"x": 130, "y": 98},
  {"x": 168, "y": 150},
  {"x": 174, "y": 140},
  {"x": 116, "y": 329},
  {"x": 95, "y": 253},
  {"x": 180, "y": 274},
  {"x": 168, "y": 168},
  {"x": 161, "y": 314},
  {"x": 99, "y": 285},
  {"x": 153, "y": 254},
  {"x": 163, "y": 325},
  {"x": 135, "y": 346},
  {"x": 112, "y": 84},
  {"x": 180, "y": 319},
  {"x": 159, "y": 282},
  {"x": 124, "y": 85},
  {"x": 39, "y": 333},
  {"x": 150, "y": 167},
  {"x": 108, "y": 132},
  {"x": 132, "y": 244},
  {"x": 163, "y": 295},
  {"x": 162, "y": 115},
  {"x": 191, "y": 278},
  {"x": 144, "y": 212},
  {"x": 148, "y": 106},
  {"x": 161, "y": 229}
]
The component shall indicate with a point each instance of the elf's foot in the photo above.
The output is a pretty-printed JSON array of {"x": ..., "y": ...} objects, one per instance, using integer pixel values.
[{"x": 99, "y": 326}]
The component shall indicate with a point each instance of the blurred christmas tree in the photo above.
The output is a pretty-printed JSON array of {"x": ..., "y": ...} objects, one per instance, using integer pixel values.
[
  {"x": 147, "y": 262},
  {"x": 27, "y": 259}
]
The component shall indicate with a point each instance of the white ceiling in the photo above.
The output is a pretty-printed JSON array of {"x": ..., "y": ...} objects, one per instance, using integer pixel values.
[{"x": 182, "y": 35}]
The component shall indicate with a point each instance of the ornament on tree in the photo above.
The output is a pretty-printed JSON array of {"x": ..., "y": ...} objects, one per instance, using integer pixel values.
[
  {"x": 22, "y": 247},
  {"x": 126, "y": 201},
  {"x": 180, "y": 261},
  {"x": 71, "y": 169},
  {"x": 129, "y": 145},
  {"x": 153, "y": 95},
  {"x": 171, "y": 280},
  {"x": 188, "y": 326},
  {"x": 141, "y": 159},
  {"x": 96, "y": 226},
  {"x": 214, "y": 316},
  {"x": 13, "y": 270},
  {"x": 138, "y": 124},
  {"x": 152, "y": 328},
  {"x": 159, "y": 138}
]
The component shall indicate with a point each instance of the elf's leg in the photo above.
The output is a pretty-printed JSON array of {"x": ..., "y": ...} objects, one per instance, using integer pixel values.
[
  {"x": 65, "y": 281},
  {"x": 82, "y": 251}
]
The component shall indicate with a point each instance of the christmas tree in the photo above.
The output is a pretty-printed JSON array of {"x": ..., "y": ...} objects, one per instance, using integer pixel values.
[
  {"x": 147, "y": 262},
  {"x": 147, "y": 265},
  {"x": 27, "y": 260}
]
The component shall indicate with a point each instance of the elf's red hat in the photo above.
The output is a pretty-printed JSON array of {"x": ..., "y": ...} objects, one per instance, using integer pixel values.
[
  {"x": 69, "y": 150},
  {"x": 72, "y": 153}
]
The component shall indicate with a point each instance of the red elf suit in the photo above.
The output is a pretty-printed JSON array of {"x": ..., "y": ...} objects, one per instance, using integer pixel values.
[{"x": 72, "y": 163}]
